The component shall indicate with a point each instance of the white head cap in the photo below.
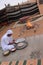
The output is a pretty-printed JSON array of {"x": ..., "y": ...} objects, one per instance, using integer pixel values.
[{"x": 9, "y": 32}]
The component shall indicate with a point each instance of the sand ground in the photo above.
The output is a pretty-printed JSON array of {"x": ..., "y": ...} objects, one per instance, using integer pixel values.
[
  {"x": 35, "y": 42},
  {"x": 17, "y": 30}
]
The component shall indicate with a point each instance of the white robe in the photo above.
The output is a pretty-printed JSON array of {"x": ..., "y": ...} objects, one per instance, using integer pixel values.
[{"x": 5, "y": 40}]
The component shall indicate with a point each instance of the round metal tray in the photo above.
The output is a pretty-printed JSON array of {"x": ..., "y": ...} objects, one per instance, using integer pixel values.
[{"x": 21, "y": 45}]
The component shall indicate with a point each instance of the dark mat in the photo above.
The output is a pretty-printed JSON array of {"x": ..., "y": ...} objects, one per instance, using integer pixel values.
[{"x": 41, "y": 1}]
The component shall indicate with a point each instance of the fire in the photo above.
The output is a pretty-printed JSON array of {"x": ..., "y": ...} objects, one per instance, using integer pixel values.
[{"x": 29, "y": 24}]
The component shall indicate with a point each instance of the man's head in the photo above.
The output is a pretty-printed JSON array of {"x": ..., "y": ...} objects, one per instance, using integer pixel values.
[{"x": 9, "y": 33}]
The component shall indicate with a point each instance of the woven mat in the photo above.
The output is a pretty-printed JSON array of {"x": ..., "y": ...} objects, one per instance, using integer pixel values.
[{"x": 25, "y": 62}]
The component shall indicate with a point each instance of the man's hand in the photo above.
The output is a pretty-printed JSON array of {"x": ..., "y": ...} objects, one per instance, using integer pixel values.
[
  {"x": 10, "y": 43},
  {"x": 13, "y": 40}
]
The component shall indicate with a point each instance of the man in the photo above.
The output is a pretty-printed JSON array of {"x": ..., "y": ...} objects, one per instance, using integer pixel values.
[{"x": 7, "y": 41}]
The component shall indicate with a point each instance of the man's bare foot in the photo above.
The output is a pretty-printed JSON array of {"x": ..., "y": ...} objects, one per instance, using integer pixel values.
[
  {"x": 13, "y": 50},
  {"x": 6, "y": 53}
]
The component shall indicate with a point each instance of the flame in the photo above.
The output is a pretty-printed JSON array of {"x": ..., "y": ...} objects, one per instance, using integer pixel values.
[{"x": 29, "y": 24}]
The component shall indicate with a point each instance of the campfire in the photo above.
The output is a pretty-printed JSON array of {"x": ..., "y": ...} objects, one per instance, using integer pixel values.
[{"x": 29, "y": 24}]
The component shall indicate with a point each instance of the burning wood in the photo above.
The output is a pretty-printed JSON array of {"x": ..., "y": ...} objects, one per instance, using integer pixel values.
[
  {"x": 29, "y": 24},
  {"x": 23, "y": 19}
]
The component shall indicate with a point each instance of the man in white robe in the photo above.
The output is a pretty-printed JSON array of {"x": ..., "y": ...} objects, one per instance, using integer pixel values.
[{"x": 7, "y": 41}]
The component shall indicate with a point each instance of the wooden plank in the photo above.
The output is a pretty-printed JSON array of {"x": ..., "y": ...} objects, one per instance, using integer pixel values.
[
  {"x": 5, "y": 63},
  {"x": 20, "y": 63},
  {"x": 31, "y": 62},
  {"x": 13, "y": 62},
  {"x": 41, "y": 61}
]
